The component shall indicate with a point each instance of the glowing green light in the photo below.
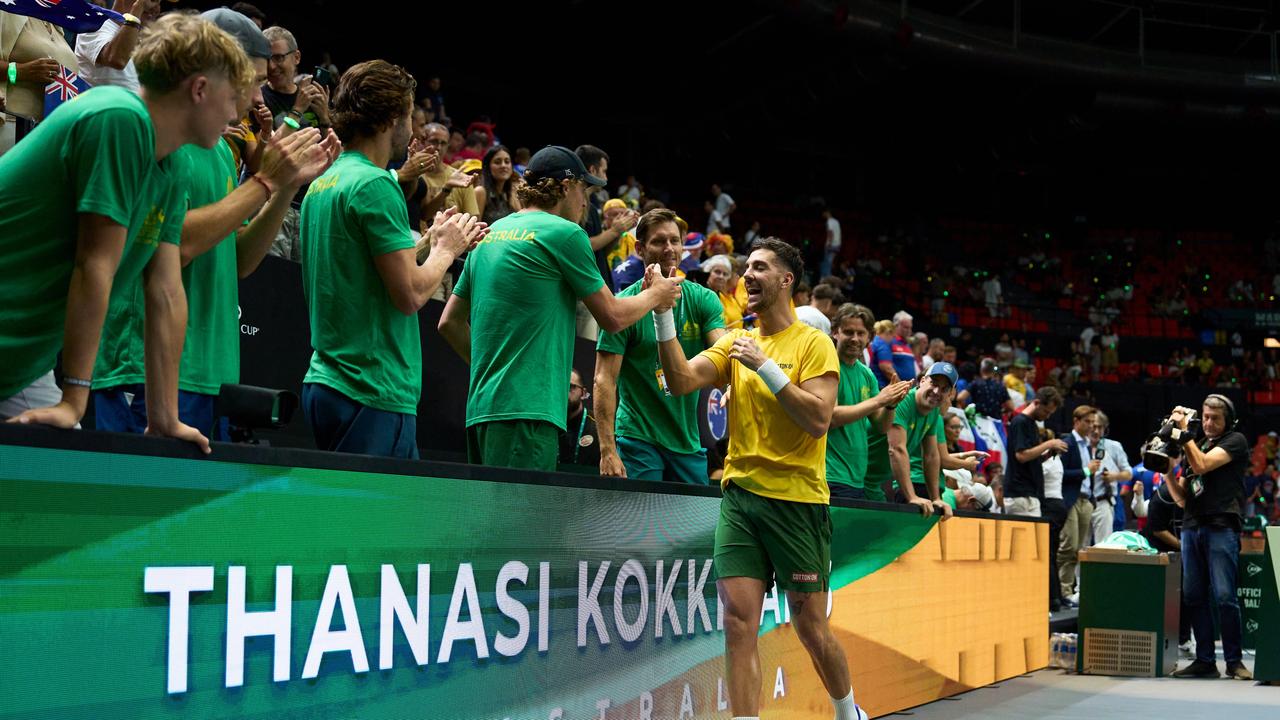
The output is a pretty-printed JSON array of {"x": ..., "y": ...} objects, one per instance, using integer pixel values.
[
  {"x": 1206, "y": 276},
  {"x": 1127, "y": 288},
  {"x": 946, "y": 293}
]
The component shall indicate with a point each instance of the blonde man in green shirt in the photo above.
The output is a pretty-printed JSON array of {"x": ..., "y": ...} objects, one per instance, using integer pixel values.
[
  {"x": 92, "y": 201},
  {"x": 225, "y": 235},
  {"x": 512, "y": 315},
  {"x": 656, "y": 435}
]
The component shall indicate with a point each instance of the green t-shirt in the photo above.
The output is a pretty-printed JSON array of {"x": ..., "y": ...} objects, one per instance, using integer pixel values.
[
  {"x": 918, "y": 427},
  {"x": 96, "y": 154},
  {"x": 211, "y": 355},
  {"x": 364, "y": 347},
  {"x": 917, "y": 460},
  {"x": 120, "y": 351},
  {"x": 847, "y": 446},
  {"x": 523, "y": 282},
  {"x": 645, "y": 411}
]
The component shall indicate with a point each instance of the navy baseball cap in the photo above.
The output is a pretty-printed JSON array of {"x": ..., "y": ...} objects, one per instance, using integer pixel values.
[
  {"x": 560, "y": 163},
  {"x": 240, "y": 27},
  {"x": 946, "y": 370}
]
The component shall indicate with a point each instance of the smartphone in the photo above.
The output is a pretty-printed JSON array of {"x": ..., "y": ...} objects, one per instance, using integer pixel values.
[{"x": 323, "y": 76}]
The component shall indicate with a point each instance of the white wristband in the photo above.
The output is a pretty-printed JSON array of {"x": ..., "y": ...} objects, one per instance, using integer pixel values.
[
  {"x": 773, "y": 376},
  {"x": 664, "y": 324}
]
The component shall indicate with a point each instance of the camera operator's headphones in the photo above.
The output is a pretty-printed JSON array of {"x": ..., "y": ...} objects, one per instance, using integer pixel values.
[{"x": 1231, "y": 410}]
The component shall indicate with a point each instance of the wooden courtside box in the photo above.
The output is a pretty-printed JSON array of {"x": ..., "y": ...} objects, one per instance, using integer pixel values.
[{"x": 1129, "y": 611}]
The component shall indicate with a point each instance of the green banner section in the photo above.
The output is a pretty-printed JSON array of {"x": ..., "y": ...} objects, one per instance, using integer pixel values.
[{"x": 144, "y": 587}]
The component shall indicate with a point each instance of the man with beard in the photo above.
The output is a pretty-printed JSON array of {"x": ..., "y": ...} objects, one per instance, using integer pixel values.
[
  {"x": 859, "y": 404},
  {"x": 657, "y": 434},
  {"x": 913, "y": 438},
  {"x": 774, "y": 523},
  {"x": 360, "y": 274},
  {"x": 513, "y": 313}
]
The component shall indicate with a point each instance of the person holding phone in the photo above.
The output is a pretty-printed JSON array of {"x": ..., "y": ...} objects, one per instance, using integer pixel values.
[{"x": 295, "y": 101}]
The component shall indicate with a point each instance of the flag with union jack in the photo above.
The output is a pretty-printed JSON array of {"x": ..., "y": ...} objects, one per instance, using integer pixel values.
[
  {"x": 78, "y": 16},
  {"x": 64, "y": 87}
]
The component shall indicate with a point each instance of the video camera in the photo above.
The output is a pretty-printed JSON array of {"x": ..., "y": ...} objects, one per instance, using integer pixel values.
[{"x": 1161, "y": 446}]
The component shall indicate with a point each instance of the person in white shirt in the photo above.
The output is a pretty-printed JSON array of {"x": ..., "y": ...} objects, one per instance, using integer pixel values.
[
  {"x": 716, "y": 220},
  {"x": 993, "y": 293},
  {"x": 1053, "y": 509},
  {"x": 1114, "y": 470},
  {"x": 724, "y": 205},
  {"x": 834, "y": 240},
  {"x": 817, "y": 314},
  {"x": 106, "y": 55}
]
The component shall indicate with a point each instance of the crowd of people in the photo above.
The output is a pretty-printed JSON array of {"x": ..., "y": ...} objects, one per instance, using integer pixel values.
[{"x": 222, "y": 153}]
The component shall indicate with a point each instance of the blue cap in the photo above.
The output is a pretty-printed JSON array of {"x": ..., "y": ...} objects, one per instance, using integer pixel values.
[{"x": 946, "y": 370}]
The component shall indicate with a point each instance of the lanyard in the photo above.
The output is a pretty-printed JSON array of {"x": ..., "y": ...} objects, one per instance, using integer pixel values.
[{"x": 581, "y": 427}]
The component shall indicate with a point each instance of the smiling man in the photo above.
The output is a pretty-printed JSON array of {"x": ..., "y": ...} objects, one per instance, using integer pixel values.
[
  {"x": 513, "y": 313},
  {"x": 774, "y": 524},
  {"x": 913, "y": 437},
  {"x": 656, "y": 433},
  {"x": 860, "y": 405}
]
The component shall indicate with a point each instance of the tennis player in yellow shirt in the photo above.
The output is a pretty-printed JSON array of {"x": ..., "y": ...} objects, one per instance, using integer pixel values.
[{"x": 774, "y": 522}]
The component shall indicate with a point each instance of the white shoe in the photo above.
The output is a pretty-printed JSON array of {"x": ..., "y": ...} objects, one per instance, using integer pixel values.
[
  {"x": 862, "y": 714},
  {"x": 1074, "y": 598}
]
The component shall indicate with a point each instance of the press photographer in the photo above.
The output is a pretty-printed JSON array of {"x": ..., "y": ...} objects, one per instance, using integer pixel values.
[{"x": 1213, "y": 485}]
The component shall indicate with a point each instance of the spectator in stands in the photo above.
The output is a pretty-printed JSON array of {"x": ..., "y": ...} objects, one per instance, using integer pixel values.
[
  {"x": 993, "y": 294},
  {"x": 34, "y": 49},
  {"x": 831, "y": 247},
  {"x": 1078, "y": 469},
  {"x": 447, "y": 186},
  {"x": 881, "y": 354},
  {"x": 716, "y": 221},
  {"x": 721, "y": 244},
  {"x": 616, "y": 212},
  {"x": 935, "y": 353},
  {"x": 803, "y": 294},
  {"x": 225, "y": 235},
  {"x": 456, "y": 142},
  {"x": 105, "y": 56},
  {"x": 362, "y": 389},
  {"x": 656, "y": 433},
  {"x": 474, "y": 149},
  {"x": 913, "y": 436},
  {"x": 1087, "y": 337},
  {"x": 752, "y": 233},
  {"x": 1015, "y": 381},
  {"x": 1024, "y": 480},
  {"x": 1205, "y": 365},
  {"x": 512, "y": 314},
  {"x": 496, "y": 194},
  {"x": 287, "y": 94},
  {"x": 295, "y": 102},
  {"x": 60, "y": 268},
  {"x": 724, "y": 206},
  {"x": 949, "y": 354},
  {"x": 860, "y": 405},
  {"x": 603, "y": 238},
  {"x": 435, "y": 98},
  {"x": 631, "y": 192},
  {"x": 723, "y": 280},
  {"x": 817, "y": 314},
  {"x": 919, "y": 347},
  {"x": 252, "y": 12},
  {"x": 580, "y": 441},
  {"x": 691, "y": 258},
  {"x": 1110, "y": 349},
  {"x": 988, "y": 393}
]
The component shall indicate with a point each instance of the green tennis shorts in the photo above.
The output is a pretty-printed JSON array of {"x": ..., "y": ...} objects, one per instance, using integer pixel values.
[{"x": 773, "y": 540}]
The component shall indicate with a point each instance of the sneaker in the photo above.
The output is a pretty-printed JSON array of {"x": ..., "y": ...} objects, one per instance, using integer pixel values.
[
  {"x": 1198, "y": 669},
  {"x": 1069, "y": 604},
  {"x": 1238, "y": 671},
  {"x": 862, "y": 714},
  {"x": 1073, "y": 598}
]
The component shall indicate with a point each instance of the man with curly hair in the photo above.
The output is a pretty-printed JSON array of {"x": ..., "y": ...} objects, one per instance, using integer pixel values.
[{"x": 360, "y": 273}]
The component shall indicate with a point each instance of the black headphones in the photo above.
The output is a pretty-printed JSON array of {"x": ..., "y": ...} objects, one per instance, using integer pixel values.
[{"x": 1231, "y": 410}]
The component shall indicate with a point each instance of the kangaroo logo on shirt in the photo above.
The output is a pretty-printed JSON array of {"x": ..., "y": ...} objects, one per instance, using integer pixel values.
[{"x": 150, "y": 232}]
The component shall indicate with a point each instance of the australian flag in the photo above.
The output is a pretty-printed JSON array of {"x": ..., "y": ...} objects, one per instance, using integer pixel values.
[
  {"x": 78, "y": 16},
  {"x": 64, "y": 87}
]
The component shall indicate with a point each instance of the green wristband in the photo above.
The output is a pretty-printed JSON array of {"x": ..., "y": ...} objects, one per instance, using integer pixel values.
[
  {"x": 13, "y": 73},
  {"x": 291, "y": 123}
]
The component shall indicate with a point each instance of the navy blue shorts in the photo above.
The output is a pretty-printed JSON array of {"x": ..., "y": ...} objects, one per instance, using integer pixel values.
[
  {"x": 123, "y": 408},
  {"x": 341, "y": 424}
]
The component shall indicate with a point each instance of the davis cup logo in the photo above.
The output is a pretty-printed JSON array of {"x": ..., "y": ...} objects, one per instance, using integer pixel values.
[{"x": 717, "y": 416}]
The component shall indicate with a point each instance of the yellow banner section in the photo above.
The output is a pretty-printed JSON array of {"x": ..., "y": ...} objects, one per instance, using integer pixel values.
[{"x": 966, "y": 607}]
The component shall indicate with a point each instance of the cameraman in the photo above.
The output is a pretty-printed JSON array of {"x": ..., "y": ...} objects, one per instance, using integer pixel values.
[{"x": 1213, "y": 486}]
